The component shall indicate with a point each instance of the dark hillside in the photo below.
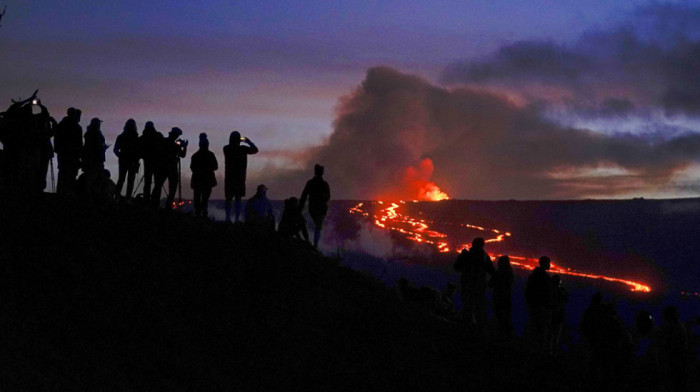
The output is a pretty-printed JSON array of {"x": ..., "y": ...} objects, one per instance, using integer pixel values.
[{"x": 121, "y": 298}]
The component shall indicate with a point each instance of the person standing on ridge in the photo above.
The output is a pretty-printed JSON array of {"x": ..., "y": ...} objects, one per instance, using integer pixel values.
[
  {"x": 68, "y": 143},
  {"x": 126, "y": 148},
  {"x": 168, "y": 166},
  {"x": 538, "y": 297},
  {"x": 203, "y": 165},
  {"x": 474, "y": 265},
  {"x": 319, "y": 193},
  {"x": 93, "y": 156},
  {"x": 148, "y": 142},
  {"x": 236, "y": 164}
]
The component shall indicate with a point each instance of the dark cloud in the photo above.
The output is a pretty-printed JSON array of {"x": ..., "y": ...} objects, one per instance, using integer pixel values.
[
  {"x": 651, "y": 61},
  {"x": 481, "y": 146}
]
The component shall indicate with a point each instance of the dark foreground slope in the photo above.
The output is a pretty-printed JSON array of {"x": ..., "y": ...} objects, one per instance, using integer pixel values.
[{"x": 121, "y": 298}]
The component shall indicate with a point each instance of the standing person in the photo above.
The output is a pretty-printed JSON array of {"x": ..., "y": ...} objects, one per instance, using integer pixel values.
[
  {"x": 236, "y": 164},
  {"x": 68, "y": 143},
  {"x": 203, "y": 165},
  {"x": 474, "y": 265},
  {"x": 538, "y": 296},
  {"x": 167, "y": 167},
  {"x": 93, "y": 156},
  {"x": 46, "y": 126},
  {"x": 319, "y": 193},
  {"x": 149, "y": 141},
  {"x": 502, "y": 284},
  {"x": 126, "y": 148}
]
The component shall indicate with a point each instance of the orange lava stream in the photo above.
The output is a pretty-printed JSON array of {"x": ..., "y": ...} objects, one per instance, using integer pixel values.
[{"x": 418, "y": 230}]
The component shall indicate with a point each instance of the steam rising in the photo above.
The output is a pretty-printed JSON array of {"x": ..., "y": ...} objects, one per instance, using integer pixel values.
[{"x": 396, "y": 128}]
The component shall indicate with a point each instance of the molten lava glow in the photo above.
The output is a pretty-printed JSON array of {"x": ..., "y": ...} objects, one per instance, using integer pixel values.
[
  {"x": 417, "y": 181},
  {"x": 418, "y": 230}
]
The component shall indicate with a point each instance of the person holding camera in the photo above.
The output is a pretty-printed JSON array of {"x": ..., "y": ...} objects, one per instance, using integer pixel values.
[
  {"x": 236, "y": 164},
  {"x": 171, "y": 150}
]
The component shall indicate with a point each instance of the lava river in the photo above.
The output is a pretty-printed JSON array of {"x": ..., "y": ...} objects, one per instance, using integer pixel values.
[{"x": 390, "y": 216}]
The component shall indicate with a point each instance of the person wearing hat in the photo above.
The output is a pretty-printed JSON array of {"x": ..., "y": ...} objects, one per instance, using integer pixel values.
[
  {"x": 319, "y": 193},
  {"x": 168, "y": 166},
  {"x": 236, "y": 163},
  {"x": 203, "y": 165},
  {"x": 93, "y": 156}
]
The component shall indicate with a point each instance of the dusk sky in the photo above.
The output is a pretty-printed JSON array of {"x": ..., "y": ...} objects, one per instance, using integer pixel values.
[{"x": 512, "y": 99}]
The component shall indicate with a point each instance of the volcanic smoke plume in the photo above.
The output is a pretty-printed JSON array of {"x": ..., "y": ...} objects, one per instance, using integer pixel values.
[{"x": 397, "y": 135}]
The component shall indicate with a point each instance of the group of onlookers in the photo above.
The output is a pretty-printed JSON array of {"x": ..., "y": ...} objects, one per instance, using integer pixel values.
[{"x": 27, "y": 130}]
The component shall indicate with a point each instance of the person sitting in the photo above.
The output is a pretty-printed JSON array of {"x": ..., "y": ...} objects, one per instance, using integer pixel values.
[
  {"x": 258, "y": 210},
  {"x": 293, "y": 223}
]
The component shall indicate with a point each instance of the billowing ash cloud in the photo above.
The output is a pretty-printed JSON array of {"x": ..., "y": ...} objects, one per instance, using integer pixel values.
[
  {"x": 395, "y": 128},
  {"x": 650, "y": 62}
]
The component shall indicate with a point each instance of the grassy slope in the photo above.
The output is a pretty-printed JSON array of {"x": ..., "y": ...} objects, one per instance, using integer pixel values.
[{"x": 120, "y": 298}]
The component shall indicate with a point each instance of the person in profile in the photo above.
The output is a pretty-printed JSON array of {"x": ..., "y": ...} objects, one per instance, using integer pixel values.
[
  {"x": 538, "y": 297},
  {"x": 319, "y": 193},
  {"x": 126, "y": 148},
  {"x": 236, "y": 164},
  {"x": 149, "y": 143},
  {"x": 560, "y": 295},
  {"x": 203, "y": 165},
  {"x": 93, "y": 157},
  {"x": 68, "y": 144},
  {"x": 292, "y": 223},
  {"x": 474, "y": 265},
  {"x": 169, "y": 152},
  {"x": 502, "y": 285},
  {"x": 259, "y": 211}
]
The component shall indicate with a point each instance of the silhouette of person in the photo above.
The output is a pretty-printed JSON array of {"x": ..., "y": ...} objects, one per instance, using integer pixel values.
[
  {"x": 149, "y": 142},
  {"x": 203, "y": 165},
  {"x": 674, "y": 350},
  {"x": 319, "y": 193},
  {"x": 608, "y": 343},
  {"x": 26, "y": 133},
  {"x": 68, "y": 144},
  {"x": 236, "y": 164},
  {"x": 474, "y": 265},
  {"x": 292, "y": 223},
  {"x": 46, "y": 126},
  {"x": 169, "y": 152},
  {"x": 538, "y": 297},
  {"x": 646, "y": 336},
  {"x": 258, "y": 210},
  {"x": 560, "y": 295},
  {"x": 502, "y": 284},
  {"x": 93, "y": 157},
  {"x": 127, "y": 149}
]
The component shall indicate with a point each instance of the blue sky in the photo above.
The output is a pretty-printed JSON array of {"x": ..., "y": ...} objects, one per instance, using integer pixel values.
[{"x": 278, "y": 71}]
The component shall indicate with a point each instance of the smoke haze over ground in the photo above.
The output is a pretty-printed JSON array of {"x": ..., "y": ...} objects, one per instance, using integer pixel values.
[{"x": 481, "y": 145}]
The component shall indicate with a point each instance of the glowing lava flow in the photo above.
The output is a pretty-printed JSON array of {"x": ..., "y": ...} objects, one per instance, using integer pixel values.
[{"x": 418, "y": 230}]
